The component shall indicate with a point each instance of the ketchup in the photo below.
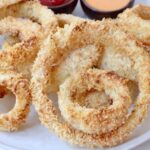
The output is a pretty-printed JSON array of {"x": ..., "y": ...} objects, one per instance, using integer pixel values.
[
  {"x": 60, "y": 6},
  {"x": 52, "y": 2}
]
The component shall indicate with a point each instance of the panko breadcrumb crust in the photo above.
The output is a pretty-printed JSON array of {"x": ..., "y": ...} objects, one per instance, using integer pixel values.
[
  {"x": 26, "y": 30},
  {"x": 36, "y": 23},
  {"x": 91, "y": 120},
  {"x": 136, "y": 21},
  {"x": 33, "y": 10},
  {"x": 5, "y": 3},
  {"x": 17, "y": 55},
  {"x": 19, "y": 86},
  {"x": 108, "y": 34}
]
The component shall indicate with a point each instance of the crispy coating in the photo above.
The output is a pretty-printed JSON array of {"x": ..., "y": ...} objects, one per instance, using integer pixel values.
[
  {"x": 136, "y": 21},
  {"x": 66, "y": 54},
  {"x": 19, "y": 86},
  {"x": 25, "y": 51},
  {"x": 121, "y": 42},
  {"x": 5, "y": 3},
  {"x": 16, "y": 56},
  {"x": 20, "y": 49},
  {"x": 90, "y": 120},
  {"x": 86, "y": 56},
  {"x": 33, "y": 10},
  {"x": 68, "y": 19}
]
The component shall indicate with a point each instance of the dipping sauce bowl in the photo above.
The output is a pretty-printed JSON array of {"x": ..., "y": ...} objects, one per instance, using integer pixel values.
[
  {"x": 98, "y": 9},
  {"x": 60, "y": 6}
]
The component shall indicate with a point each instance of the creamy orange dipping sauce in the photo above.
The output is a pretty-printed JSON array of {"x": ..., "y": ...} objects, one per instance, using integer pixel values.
[{"x": 107, "y": 5}]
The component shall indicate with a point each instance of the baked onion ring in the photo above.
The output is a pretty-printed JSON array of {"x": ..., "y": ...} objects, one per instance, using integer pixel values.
[
  {"x": 90, "y": 120},
  {"x": 16, "y": 56},
  {"x": 67, "y": 53},
  {"x": 120, "y": 43},
  {"x": 32, "y": 10},
  {"x": 59, "y": 20},
  {"x": 136, "y": 21},
  {"x": 19, "y": 86}
]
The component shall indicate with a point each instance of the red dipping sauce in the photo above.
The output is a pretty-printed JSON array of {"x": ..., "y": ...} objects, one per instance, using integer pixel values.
[
  {"x": 60, "y": 6},
  {"x": 52, "y": 2}
]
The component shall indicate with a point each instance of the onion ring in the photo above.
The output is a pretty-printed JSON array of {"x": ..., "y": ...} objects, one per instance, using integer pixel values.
[
  {"x": 71, "y": 64},
  {"x": 137, "y": 22},
  {"x": 19, "y": 86},
  {"x": 120, "y": 43},
  {"x": 16, "y": 56},
  {"x": 34, "y": 11},
  {"x": 69, "y": 53},
  {"x": 90, "y": 120},
  {"x": 62, "y": 19}
]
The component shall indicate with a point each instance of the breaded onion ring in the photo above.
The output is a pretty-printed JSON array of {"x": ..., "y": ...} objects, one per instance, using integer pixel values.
[
  {"x": 23, "y": 52},
  {"x": 34, "y": 11},
  {"x": 66, "y": 53},
  {"x": 86, "y": 57},
  {"x": 5, "y": 3},
  {"x": 19, "y": 86},
  {"x": 137, "y": 22},
  {"x": 120, "y": 43},
  {"x": 90, "y": 120},
  {"x": 60, "y": 21}
]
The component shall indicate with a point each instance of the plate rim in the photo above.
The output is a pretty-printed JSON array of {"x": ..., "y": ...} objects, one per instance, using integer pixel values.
[{"x": 133, "y": 143}]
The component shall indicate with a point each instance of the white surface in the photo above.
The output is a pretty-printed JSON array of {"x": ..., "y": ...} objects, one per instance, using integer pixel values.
[{"x": 34, "y": 136}]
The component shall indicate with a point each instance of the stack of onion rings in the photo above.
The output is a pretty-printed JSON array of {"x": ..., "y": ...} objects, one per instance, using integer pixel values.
[
  {"x": 30, "y": 10},
  {"x": 19, "y": 53},
  {"x": 64, "y": 50},
  {"x": 67, "y": 53},
  {"x": 47, "y": 111}
]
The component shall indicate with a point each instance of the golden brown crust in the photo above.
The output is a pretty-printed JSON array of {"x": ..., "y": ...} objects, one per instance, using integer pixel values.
[
  {"x": 120, "y": 43},
  {"x": 19, "y": 86},
  {"x": 32, "y": 10},
  {"x": 136, "y": 21},
  {"x": 91, "y": 120},
  {"x": 5, "y": 3},
  {"x": 17, "y": 55},
  {"x": 65, "y": 54},
  {"x": 21, "y": 55}
]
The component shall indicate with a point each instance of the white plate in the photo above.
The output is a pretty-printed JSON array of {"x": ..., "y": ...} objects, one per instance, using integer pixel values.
[{"x": 34, "y": 136}]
